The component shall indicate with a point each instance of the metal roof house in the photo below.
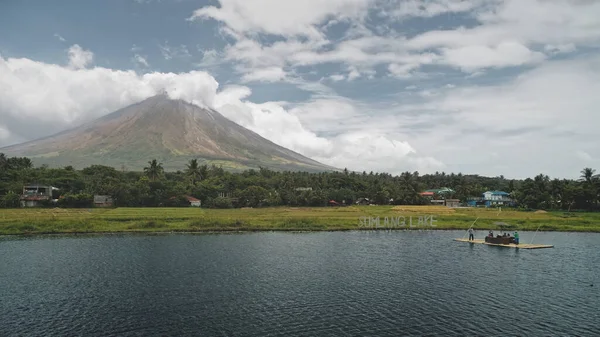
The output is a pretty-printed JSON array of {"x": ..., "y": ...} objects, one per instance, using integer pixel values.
[
  {"x": 495, "y": 195},
  {"x": 36, "y": 194},
  {"x": 193, "y": 201},
  {"x": 442, "y": 192},
  {"x": 492, "y": 198},
  {"x": 440, "y": 196},
  {"x": 103, "y": 201}
]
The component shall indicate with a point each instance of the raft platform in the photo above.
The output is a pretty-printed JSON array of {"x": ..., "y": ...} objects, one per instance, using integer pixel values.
[{"x": 511, "y": 245}]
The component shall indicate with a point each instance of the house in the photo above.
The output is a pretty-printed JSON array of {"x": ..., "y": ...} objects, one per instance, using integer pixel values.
[
  {"x": 36, "y": 195},
  {"x": 438, "y": 196},
  {"x": 193, "y": 201},
  {"x": 495, "y": 195},
  {"x": 103, "y": 201},
  {"x": 492, "y": 199},
  {"x": 179, "y": 200},
  {"x": 363, "y": 201},
  {"x": 227, "y": 195},
  {"x": 333, "y": 203},
  {"x": 438, "y": 193},
  {"x": 428, "y": 194},
  {"x": 497, "y": 198},
  {"x": 452, "y": 203}
]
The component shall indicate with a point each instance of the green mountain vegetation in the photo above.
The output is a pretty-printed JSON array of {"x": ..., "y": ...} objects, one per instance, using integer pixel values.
[
  {"x": 218, "y": 188},
  {"x": 172, "y": 131}
]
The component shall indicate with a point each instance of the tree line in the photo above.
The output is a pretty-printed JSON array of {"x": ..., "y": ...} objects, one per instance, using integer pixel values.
[{"x": 218, "y": 188}]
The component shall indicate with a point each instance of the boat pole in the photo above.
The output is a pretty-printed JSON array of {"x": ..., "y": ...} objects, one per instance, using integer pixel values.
[
  {"x": 535, "y": 233},
  {"x": 470, "y": 227}
]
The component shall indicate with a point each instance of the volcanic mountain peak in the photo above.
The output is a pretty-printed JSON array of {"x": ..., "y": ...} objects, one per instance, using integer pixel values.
[{"x": 169, "y": 130}]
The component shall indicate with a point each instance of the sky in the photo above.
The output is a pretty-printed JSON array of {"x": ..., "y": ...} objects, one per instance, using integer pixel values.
[{"x": 489, "y": 87}]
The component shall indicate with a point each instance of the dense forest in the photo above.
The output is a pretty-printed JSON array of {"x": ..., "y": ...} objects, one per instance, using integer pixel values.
[{"x": 218, "y": 188}]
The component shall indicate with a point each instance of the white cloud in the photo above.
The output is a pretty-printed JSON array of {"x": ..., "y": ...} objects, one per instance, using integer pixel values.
[
  {"x": 327, "y": 114},
  {"x": 273, "y": 122},
  {"x": 62, "y": 39},
  {"x": 560, "y": 48},
  {"x": 361, "y": 149},
  {"x": 532, "y": 122},
  {"x": 41, "y": 93},
  {"x": 472, "y": 58},
  {"x": 135, "y": 49},
  {"x": 584, "y": 155},
  {"x": 170, "y": 52},
  {"x": 555, "y": 22},
  {"x": 373, "y": 151},
  {"x": 507, "y": 34},
  {"x": 285, "y": 18},
  {"x": 140, "y": 60},
  {"x": 47, "y": 93},
  {"x": 556, "y": 95},
  {"x": 359, "y": 55},
  {"x": 79, "y": 58},
  {"x": 4, "y": 133},
  {"x": 270, "y": 74},
  {"x": 430, "y": 8},
  {"x": 402, "y": 71},
  {"x": 210, "y": 58},
  {"x": 337, "y": 77}
]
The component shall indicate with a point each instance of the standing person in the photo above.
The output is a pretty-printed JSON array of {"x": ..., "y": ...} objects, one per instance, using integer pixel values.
[
  {"x": 471, "y": 234},
  {"x": 516, "y": 238}
]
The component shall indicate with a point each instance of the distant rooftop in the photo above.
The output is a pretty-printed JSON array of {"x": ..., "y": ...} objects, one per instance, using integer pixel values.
[
  {"x": 40, "y": 185},
  {"x": 497, "y": 192},
  {"x": 440, "y": 190}
]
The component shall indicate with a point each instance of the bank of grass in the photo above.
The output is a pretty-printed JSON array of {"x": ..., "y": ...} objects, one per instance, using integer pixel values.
[{"x": 45, "y": 221}]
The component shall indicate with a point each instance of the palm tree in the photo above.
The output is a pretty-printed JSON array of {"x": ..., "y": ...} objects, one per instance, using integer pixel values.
[
  {"x": 592, "y": 185},
  {"x": 154, "y": 170},
  {"x": 409, "y": 187},
  {"x": 193, "y": 171},
  {"x": 587, "y": 174}
]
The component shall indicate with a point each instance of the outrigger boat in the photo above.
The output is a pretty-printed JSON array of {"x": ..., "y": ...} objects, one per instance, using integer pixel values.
[{"x": 504, "y": 240}]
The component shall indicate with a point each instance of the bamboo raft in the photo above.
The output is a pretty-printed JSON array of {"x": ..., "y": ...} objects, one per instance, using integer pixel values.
[{"x": 511, "y": 245}]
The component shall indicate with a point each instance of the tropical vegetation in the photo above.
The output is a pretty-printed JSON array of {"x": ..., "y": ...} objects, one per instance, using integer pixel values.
[{"x": 218, "y": 188}]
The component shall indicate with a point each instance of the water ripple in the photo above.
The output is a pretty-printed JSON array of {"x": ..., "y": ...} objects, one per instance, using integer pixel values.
[{"x": 282, "y": 284}]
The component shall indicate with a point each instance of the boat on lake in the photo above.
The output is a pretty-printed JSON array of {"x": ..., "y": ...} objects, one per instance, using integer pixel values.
[{"x": 505, "y": 239}]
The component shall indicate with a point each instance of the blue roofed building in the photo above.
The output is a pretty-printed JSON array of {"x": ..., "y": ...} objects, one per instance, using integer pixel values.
[{"x": 492, "y": 199}]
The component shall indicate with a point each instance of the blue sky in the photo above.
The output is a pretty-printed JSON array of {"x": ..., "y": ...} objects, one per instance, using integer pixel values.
[{"x": 495, "y": 87}]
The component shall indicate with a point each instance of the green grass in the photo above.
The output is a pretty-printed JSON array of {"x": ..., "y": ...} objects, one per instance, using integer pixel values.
[{"x": 43, "y": 221}]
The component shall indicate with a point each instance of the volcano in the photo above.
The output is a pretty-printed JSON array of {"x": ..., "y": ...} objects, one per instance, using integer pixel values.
[{"x": 170, "y": 131}]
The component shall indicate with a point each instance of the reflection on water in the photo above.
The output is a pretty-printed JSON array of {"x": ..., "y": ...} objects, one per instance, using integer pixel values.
[{"x": 285, "y": 284}]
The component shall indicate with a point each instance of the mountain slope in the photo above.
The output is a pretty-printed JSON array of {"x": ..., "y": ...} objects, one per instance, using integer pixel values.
[{"x": 171, "y": 131}]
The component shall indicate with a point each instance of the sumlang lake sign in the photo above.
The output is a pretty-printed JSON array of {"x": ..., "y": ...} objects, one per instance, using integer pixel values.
[{"x": 396, "y": 222}]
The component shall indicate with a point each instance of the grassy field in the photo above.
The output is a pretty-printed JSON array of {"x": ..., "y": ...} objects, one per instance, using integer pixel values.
[{"x": 43, "y": 221}]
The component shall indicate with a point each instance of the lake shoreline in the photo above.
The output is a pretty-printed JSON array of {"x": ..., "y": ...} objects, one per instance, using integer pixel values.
[
  {"x": 287, "y": 219},
  {"x": 261, "y": 230}
]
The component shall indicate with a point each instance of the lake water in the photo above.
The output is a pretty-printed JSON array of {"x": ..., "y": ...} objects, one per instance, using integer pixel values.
[{"x": 298, "y": 284}]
